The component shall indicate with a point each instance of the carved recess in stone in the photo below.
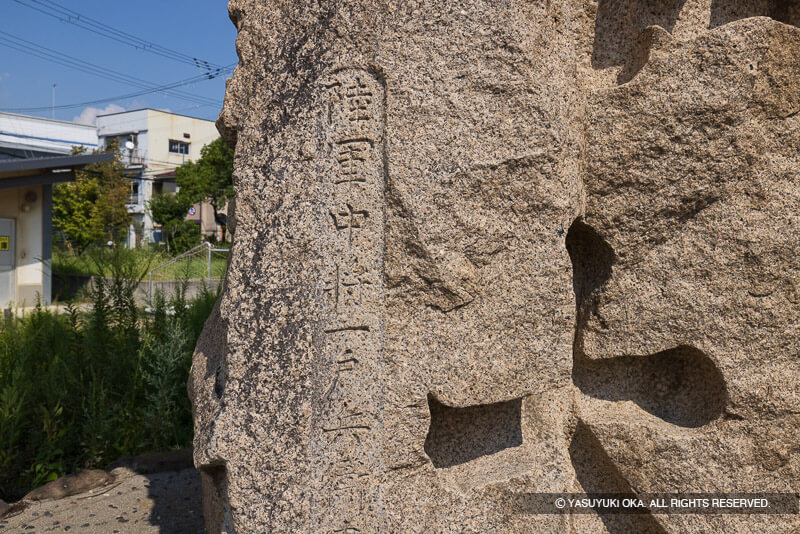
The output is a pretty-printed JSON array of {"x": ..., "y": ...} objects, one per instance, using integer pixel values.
[
  {"x": 682, "y": 385},
  {"x": 346, "y": 423},
  {"x": 458, "y": 435}
]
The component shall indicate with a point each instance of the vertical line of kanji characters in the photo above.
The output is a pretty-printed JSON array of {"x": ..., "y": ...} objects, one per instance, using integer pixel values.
[{"x": 348, "y": 421}]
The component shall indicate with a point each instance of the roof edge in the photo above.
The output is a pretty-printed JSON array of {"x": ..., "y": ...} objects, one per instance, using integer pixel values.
[
  {"x": 57, "y": 162},
  {"x": 156, "y": 110}
]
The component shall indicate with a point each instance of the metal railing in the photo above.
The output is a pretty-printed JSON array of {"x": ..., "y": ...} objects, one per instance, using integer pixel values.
[
  {"x": 205, "y": 248},
  {"x": 133, "y": 158}
]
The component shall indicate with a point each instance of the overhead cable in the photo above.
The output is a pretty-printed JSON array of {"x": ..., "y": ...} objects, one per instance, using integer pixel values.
[
  {"x": 28, "y": 47},
  {"x": 159, "y": 89},
  {"x": 69, "y": 16}
]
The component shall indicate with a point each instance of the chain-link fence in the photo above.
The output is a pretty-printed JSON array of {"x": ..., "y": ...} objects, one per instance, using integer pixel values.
[{"x": 200, "y": 266}]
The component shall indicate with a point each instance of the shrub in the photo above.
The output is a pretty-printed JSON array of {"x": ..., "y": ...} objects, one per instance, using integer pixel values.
[{"x": 81, "y": 389}]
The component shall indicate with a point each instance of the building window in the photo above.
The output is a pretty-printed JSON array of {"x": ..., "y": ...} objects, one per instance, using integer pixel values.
[
  {"x": 179, "y": 147},
  {"x": 134, "y": 193}
]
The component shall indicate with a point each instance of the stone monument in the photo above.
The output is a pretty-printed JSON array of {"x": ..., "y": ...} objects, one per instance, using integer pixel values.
[{"x": 484, "y": 250}]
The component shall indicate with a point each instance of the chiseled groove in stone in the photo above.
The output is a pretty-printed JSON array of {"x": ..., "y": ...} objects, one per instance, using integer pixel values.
[
  {"x": 591, "y": 256},
  {"x": 682, "y": 385},
  {"x": 592, "y": 263}
]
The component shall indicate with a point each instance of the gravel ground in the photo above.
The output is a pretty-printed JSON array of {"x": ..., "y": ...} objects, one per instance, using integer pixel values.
[{"x": 166, "y": 503}]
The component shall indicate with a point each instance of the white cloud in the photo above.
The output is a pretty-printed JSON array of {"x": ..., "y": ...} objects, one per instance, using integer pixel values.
[
  {"x": 89, "y": 115},
  {"x": 138, "y": 104}
]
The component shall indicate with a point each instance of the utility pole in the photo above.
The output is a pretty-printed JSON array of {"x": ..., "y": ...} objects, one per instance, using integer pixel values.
[{"x": 53, "y": 109}]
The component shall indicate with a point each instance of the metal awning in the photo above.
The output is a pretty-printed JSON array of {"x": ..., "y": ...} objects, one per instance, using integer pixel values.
[
  {"x": 168, "y": 176},
  {"x": 43, "y": 171}
]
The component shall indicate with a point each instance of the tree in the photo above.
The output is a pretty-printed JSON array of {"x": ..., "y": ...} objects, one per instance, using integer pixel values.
[
  {"x": 92, "y": 209},
  {"x": 169, "y": 211},
  {"x": 209, "y": 178}
]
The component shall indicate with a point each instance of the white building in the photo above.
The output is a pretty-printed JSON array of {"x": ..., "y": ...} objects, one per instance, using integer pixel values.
[
  {"x": 153, "y": 144},
  {"x": 34, "y": 154},
  {"x": 23, "y": 136}
]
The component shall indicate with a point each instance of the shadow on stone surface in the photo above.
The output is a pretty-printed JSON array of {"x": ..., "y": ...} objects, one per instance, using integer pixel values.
[
  {"x": 725, "y": 11},
  {"x": 458, "y": 435},
  {"x": 597, "y": 474},
  {"x": 158, "y": 503},
  {"x": 619, "y": 24},
  {"x": 174, "y": 487}
]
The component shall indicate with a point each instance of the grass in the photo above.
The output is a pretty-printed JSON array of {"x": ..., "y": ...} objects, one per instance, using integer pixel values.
[{"x": 82, "y": 389}]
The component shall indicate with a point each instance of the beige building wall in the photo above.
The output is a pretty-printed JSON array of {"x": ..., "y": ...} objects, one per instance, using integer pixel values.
[{"x": 163, "y": 127}]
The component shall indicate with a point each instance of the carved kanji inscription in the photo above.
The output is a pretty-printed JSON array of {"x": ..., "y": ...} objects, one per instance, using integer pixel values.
[{"x": 347, "y": 419}]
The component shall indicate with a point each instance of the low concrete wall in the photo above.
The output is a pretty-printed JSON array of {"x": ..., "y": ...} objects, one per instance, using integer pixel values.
[{"x": 70, "y": 287}]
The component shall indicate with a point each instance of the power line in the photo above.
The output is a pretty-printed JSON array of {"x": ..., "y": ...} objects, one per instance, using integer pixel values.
[
  {"x": 159, "y": 89},
  {"x": 48, "y": 54},
  {"x": 69, "y": 16}
]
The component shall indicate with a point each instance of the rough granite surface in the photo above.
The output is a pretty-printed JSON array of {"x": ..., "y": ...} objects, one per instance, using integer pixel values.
[{"x": 484, "y": 249}]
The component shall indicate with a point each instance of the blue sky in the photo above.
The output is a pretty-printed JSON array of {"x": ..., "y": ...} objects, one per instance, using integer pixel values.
[{"x": 189, "y": 29}]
